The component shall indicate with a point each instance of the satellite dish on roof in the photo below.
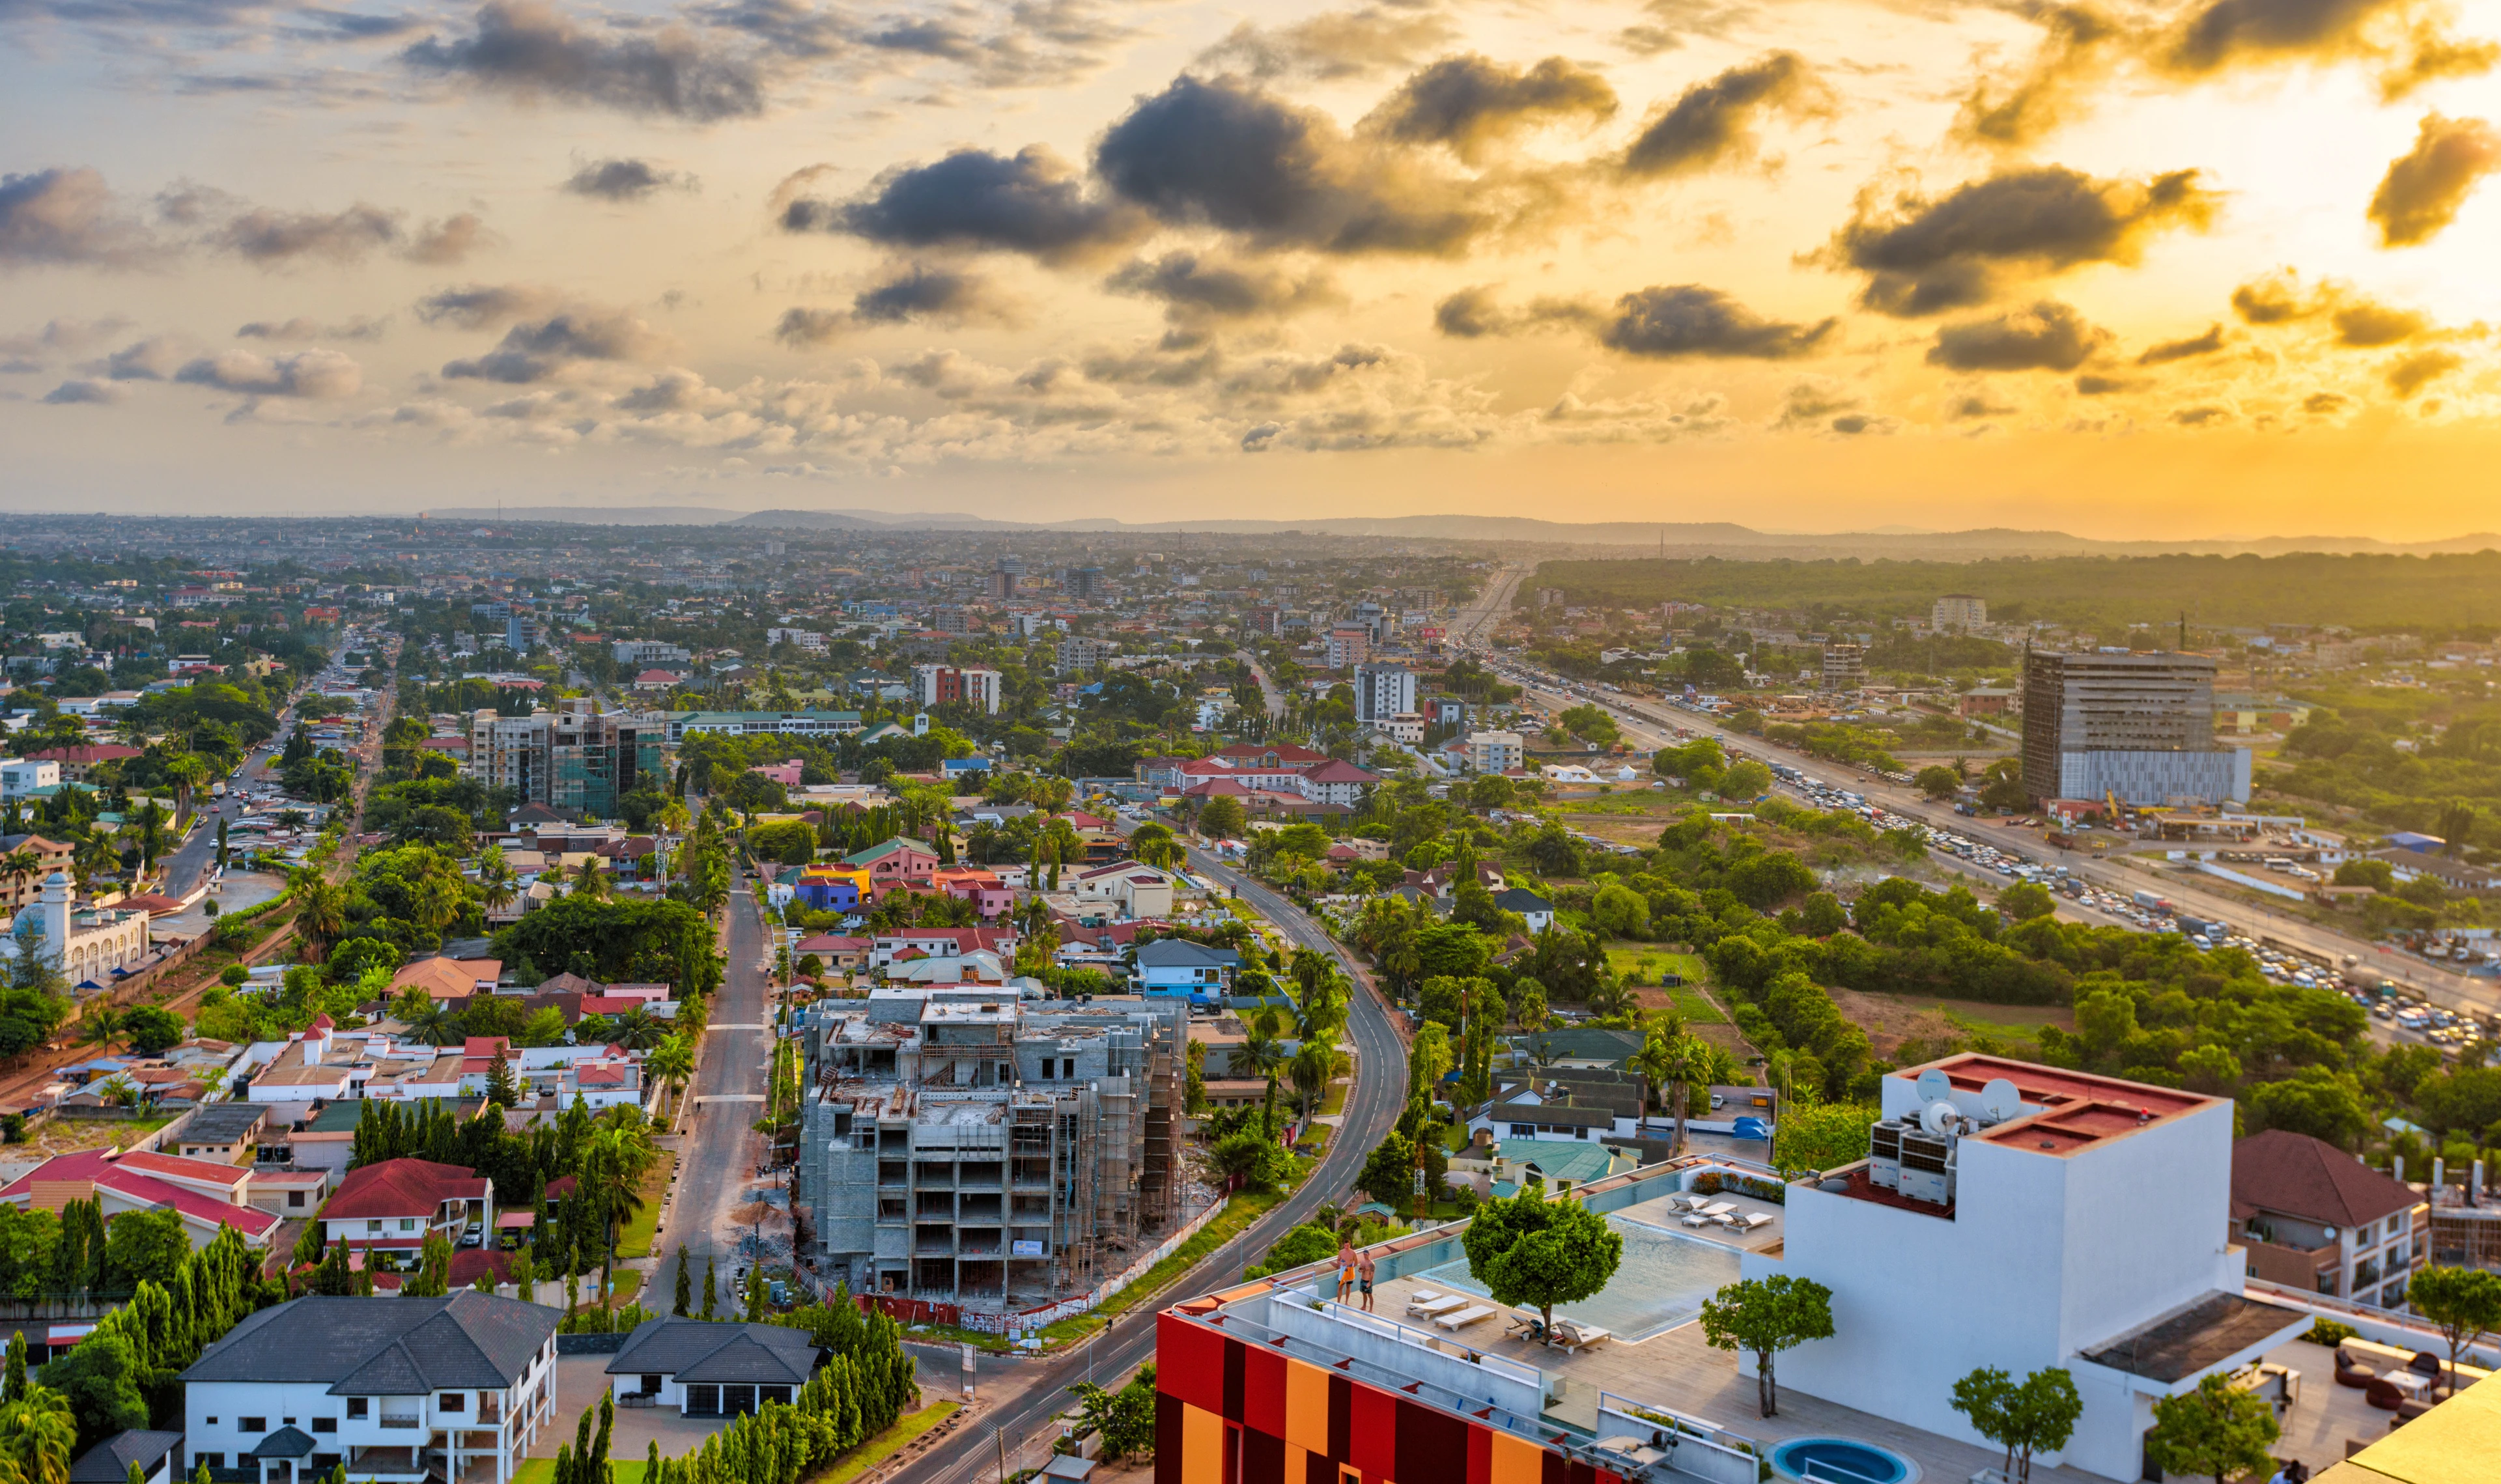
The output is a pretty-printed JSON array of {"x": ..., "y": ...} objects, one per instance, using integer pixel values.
[
  {"x": 1935, "y": 1086},
  {"x": 1940, "y": 1118},
  {"x": 2000, "y": 1101}
]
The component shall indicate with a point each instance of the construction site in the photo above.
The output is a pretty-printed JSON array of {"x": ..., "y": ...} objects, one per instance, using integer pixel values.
[{"x": 965, "y": 1146}]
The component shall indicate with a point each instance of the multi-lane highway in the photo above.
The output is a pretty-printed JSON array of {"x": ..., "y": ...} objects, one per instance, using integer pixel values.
[{"x": 1651, "y": 725}]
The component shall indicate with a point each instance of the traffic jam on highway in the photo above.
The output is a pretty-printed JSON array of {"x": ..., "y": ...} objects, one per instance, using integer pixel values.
[{"x": 2402, "y": 1007}]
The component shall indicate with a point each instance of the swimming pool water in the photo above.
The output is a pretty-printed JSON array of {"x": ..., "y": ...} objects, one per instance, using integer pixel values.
[
  {"x": 1841, "y": 1461},
  {"x": 1660, "y": 1285}
]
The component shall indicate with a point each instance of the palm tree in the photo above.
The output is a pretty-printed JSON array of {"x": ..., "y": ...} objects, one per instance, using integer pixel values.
[
  {"x": 148, "y": 826},
  {"x": 186, "y": 772},
  {"x": 1313, "y": 1067},
  {"x": 1670, "y": 1061},
  {"x": 320, "y": 909},
  {"x": 611, "y": 1175},
  {"x": 587, "y": 881},
  {"x": 1261, "y": 1056},
  {"x": 17, "y": 865},
  {"x": 38, "y": 1435},
  {"x": 672, "y": 1062},
  {"x": 637, "y": 1030},
  {"x": 436, "y": 1025},
  {"x": 495, "y": 878},
  {"x": 100, "y": 1024}
]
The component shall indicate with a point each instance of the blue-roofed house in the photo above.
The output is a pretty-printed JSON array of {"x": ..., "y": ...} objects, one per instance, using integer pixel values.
[{"x": 1176, "y": 966}]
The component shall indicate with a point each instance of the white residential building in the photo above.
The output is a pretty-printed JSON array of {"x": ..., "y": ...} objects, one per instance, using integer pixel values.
[
  {"x": 2020, "y": 1216},
  {"x": 89, "y": 943},
  {"x": 639, "y": 652},
  {"x": 19, "y": 776},
  {"x": 1495, "y": 751},
  {"x": 394, "y": 1390},
  {"x": 1383, "y": 691},
  {"x": 702, "y": 1369}
]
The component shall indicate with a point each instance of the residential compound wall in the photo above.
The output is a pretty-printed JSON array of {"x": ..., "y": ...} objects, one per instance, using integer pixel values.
[
  {"x": 963, "y": 1145},
  {"x": 2140, "y": 726}
]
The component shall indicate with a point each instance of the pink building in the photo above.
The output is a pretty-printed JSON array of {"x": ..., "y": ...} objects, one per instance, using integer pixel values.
[{"x": 784, "y": 774}]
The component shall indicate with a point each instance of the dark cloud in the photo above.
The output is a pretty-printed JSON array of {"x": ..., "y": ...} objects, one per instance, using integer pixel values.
[
  {"x": 2220, "y": 33},
  {"x": 2171, "y": 350},
  {"x": 626, "y": 179},
  {"x": 2047, "y": 336},
  {"x": 534, "y": 49},
  {"x": 1922, "y": 256},
  {"x": 360, "y": 27},
  {"x": 1471, "y": 103},
  {"x": 302, "y": 328},
  {"x": 152, "y": 359},
  {"x": 1196, "y": 287},
  {"x": 63, "y": 335},
  {"x": 2090, "y": 384},
  {"x": 2322, "y": 404},
  {"x": 919, "y": 291},
  {"x": 2426, "y": 185},
  {"x": 485, "y": 306},
  {"x": 83, "y": 390},
  {"x": 1471, "y": 313},
  {"x": 440, "y": 244},
  {"x": 1812, "y": 403},
  {"x": 2367, "y": 324},
  {"x": 1690, "y": 319},
  {"x": 535, "y": 351},
  {"x": 2275, "y": 298},
  {"x": 1224, "y": 156},
  {"x": 800, "y": 327},
  {"x": 1335, "y": 43},
  {"x": 1041, "y": 42},
  {"x": 67, "y": 216},
  {"x": 2201, "y": 416},
  {"x": 1030, "y": 202},
  {"x": 319, "y": 374},
  {"x": 1854, "y": 423},
  {"x": 2432, "y": 56},
  {"x": 2080, "y": 43},
  {"x": 1673, "y": 21},
  {"x": 2409, "y": 374},
  {"x": 270, "y": 237},
  {"x": 1713, "y": 121},
  {"x": 1970, "y": 405}
]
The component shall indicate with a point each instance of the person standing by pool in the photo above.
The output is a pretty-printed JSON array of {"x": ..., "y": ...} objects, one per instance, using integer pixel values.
[
  {"x": 1365, "y": 1269},
  {"x": 1345, "y": 1267}
]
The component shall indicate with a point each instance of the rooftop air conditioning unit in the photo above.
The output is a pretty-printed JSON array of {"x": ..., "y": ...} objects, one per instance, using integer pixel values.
[
  {"x": 1884, "y": 1153},
  {"x": 1929, "y": 1167}
]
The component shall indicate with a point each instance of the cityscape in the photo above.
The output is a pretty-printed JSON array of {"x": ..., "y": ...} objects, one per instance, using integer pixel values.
[{"x": 1357, "y": 741}]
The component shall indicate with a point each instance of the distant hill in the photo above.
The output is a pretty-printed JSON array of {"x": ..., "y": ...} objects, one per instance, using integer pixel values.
[{"x": 1683, "y": 538}]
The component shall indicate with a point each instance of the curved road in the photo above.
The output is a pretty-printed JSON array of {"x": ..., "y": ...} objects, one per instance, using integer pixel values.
[{"x": 1371, "y": 1109}]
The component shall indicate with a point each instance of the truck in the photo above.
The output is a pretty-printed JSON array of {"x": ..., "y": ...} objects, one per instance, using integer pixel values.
[{"x": 2151, "y": 902}]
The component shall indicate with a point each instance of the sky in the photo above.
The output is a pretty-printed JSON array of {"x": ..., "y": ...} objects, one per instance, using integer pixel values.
[{"x": 2172, "y": 270}]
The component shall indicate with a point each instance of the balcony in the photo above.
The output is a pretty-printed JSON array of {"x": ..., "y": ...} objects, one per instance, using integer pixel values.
[{"x": 2309, "y": 1269}]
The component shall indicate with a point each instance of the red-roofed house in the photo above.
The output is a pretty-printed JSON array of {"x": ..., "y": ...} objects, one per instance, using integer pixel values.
[
  {"x": 1337, "y": 782},
  {"x": 393, "y": 1206},
  {"x": 976, "y": 884},
  {"x": 2314, "y": 1218},
  {"x": 940, "y": 943},
  {"x": 206, "y": 1195},
  {"x": 838, "y": 951},
  {"x": 78, "y": 760}
]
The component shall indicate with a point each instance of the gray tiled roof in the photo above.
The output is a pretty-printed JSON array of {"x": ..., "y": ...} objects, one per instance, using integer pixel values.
[
  {"x": 222, "y": 1123},
  {"x": 286, "y": 1442},
  {"x": 109, "y": 1462},
  {"x": 386, "y": 1348},
  {"x": 701, "y": 1351}
]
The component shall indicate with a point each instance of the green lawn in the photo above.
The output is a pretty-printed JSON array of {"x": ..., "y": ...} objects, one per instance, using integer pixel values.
[
  {"x": 541, "y": 1471},
  {"x": 1648, "y": 961},
  {"x": 636, "y": 1239}
]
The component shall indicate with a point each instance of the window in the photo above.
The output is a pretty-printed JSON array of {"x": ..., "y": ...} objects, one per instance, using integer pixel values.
[
  {"x": 453, "y": 1401},
  {"x": 295, "y": 1197},
  {"x": 358, "y": 1406},
  {"x": 325, "y": 1423},
  {"x": 208, "y": 1460},
  {"x": 251, "y": 1424},
  {"x": 408, "y": 1222},
  {"x": 374, "y": 1226}
]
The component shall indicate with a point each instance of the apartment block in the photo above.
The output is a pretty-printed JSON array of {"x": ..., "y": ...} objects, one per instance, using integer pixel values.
[
  {"x": 1958, "y": 610},
  {"x": 1495, "y": 751},
  {"x": 963, "y": 1145},
  {"x": 579, "y": 761},
  {"x": 939, "y": 684},
  {"x": 1845, "y": 667},
  {"x": 1382, "y": 692},
  {"x": 1346, "y": 645},
  {"x": 1077, "y": 652}
]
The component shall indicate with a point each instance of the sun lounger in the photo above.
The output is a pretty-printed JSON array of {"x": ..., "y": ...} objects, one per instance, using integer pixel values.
[
  {"x": 1750, "y": 1220},
  {"x": 1722, "y": 1208},
  {"x": 1697, "y": 1219},
  {"x": 1425, "y": 1296},
  {"x": 1464, "y": 1317},
  {"x": 1438, "y": 1306},
  {"x": 1576, "y": 1337},
  {"x": 1687, "y": 1202}
]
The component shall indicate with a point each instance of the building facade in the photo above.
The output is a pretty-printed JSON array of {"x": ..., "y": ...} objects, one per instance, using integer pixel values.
[
  {"x": 1383, "y": 692},
  {"x": 1958, "y": 610},
  {"x": 2140, "y": 726}
]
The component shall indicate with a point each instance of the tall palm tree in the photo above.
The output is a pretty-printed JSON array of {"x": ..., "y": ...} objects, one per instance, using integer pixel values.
[
  {"x": 1671, "y": 1060},
  {"x": 672, "y": 1062},
  {"x": 320, "y": 909},
  {"x": 1263, "y": 1056},
  {"x": 186, "y": 774},
  {"x": 18, "y": 865},
  {"x": 148, "y": 827},
  {"x": 438, "y": 1024},
  {"x": 613, "y": 1163},
  {"x": 1313, "y": 1067},
  {"x": 495, "y": 878},
  {"x": 38, "y": 1435},
  {"x": 589, "y": 880},
  {"x": 100, "y": 1024}
]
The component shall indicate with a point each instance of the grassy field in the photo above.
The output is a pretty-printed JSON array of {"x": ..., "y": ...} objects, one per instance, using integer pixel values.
[
  {"x": 1241, "y": 1210},
  {"x": 1888, "y": 1018},
  {"x": 636, "y": 1239},
  {"x": 1649, "y": 962}
]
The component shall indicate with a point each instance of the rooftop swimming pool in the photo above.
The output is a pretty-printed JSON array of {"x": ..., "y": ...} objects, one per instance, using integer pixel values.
[
  {"x": 1841, "y": 1461},
  {"x": 1660, "y": 1285}
]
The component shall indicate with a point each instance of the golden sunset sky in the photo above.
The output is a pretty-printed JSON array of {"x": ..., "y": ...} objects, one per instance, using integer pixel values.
[{"x": 2219, "y": 267}]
